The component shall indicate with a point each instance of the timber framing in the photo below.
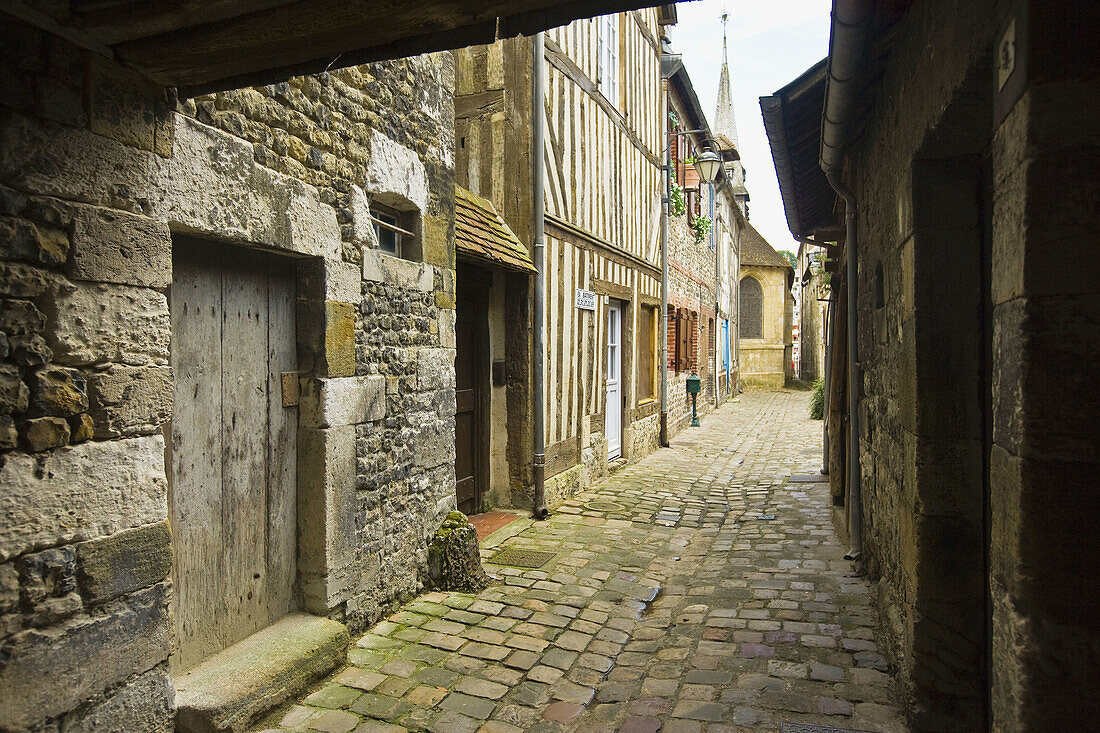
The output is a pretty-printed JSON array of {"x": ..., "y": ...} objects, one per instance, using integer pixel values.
[
  {"x": 575, "y": 235},
  {"x": 560, "y": 61}
]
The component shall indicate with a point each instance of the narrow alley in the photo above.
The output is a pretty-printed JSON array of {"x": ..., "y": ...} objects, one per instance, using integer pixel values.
[{"x": 700, "y": 589}]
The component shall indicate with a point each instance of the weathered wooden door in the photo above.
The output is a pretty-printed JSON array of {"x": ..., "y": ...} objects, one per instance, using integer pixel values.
[
  {"x": 613, "y": 414},
  {"x": 233, "y": 445},
  {"x": 471, "y": 387}
]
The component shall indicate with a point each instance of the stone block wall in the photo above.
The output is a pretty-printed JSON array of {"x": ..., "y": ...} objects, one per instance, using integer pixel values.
[
  {"x": 98, "y": 171},
  {"x": 765, "y": 362},
  {"x": 976, "y": 512}
]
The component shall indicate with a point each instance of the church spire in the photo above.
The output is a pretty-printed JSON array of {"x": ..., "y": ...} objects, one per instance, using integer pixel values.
[{"x": 724, "y": 121}]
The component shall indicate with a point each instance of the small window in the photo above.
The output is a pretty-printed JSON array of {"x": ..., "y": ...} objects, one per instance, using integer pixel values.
[
  {"x": 608, "y": 58},
  {"x": 396, "y": 231}
]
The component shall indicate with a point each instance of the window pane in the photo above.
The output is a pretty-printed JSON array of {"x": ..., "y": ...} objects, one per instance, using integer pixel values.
[{"x": 752, "y": 309}]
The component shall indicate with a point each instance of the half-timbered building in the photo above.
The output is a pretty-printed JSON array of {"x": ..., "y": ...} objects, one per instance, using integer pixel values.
[{"x": 601, "y": 159}]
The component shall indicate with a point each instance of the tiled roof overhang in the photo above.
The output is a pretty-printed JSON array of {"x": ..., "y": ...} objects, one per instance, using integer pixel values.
[{"x": 481, "y": 235}]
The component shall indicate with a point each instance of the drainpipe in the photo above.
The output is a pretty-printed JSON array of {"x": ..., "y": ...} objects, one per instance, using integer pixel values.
[
  {"x": 846, "y": 42},
  {"x": 830, "y": 313},
  {"x": 538, "y": 124},
  {"x": 666, "y": 194}
]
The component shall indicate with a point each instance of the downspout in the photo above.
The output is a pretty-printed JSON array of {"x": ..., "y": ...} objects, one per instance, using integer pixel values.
[
  {"x": 666, "y": 194},
  {"x": 846, "y": 43},
  {"x": 830, "y": 313},
  {"x": 538, "y": 204}
]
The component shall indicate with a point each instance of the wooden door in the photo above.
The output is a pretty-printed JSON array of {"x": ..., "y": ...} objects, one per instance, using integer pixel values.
[
  {"x": 471, "y": 375},
  {"x": 233, "y": 446},
  {"x": 613, "y": 413}
]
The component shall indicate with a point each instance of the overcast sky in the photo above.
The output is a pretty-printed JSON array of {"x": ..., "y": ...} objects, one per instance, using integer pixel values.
[{"x": 770, "y": 43}]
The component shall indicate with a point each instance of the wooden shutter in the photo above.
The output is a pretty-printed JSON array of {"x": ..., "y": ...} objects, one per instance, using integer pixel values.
[{"x": 683, "y": 332}]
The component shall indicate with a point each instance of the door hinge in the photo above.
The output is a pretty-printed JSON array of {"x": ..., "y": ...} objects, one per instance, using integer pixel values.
[{"x": 290, "y": 389}]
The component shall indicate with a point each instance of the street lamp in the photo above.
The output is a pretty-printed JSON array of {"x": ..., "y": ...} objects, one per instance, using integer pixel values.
[{"x": 707, "y": 165}]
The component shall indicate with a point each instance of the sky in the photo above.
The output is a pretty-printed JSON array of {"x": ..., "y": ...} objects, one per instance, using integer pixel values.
[{"x": 770, "y": 43}]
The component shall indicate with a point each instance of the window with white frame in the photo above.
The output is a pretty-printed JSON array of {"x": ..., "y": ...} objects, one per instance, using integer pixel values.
[
  {"x": 608, "y": 56},
  {"x": 396, "y": 231}
]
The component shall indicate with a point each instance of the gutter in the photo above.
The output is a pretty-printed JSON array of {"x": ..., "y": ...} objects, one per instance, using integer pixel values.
[
  {"x": 538, "y": 124},
  {"x": 847, "y": 38}
]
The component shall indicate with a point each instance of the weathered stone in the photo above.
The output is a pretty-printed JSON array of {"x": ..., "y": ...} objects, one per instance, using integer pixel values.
[
  {"x": 21, "y": 281},
  {"x": 14, "y": 393},
  {"x": 71, "y": 163},
  {"x": 227, "y": 691},
  {"x": 342, "y": 401},
  {"x": 100, "y": 323},
  {"x": 385, "y": 268},
  {"x": 21, "y": 318},
  {"x": 49, "y": 672},
  {"x": 5, "y": 346},
  {"x": 435, "y": 443},
  {"x": 59, "y": 391},
  {"x": 43, "y": 433},
  {"x": 9, "y": 436},
  {"x": 86, "y": 491},
  {"x": 81, "y": 428},
  {"x": 126, "y": 400},
  {"x": 339, "y": 349},
  {"x": 31, "y": 350},
  {"x": 394, "y": 170},
  {"x": 454, "y": 562},
  {"x": 124, "y": 562},
  {"x": 266, "y": 207},
  {"x": 22, "y": 240},
  {"x": 435, "y": 369},
  {"x": 117, "y": 247},
  {"x": 144, "y": 704}
]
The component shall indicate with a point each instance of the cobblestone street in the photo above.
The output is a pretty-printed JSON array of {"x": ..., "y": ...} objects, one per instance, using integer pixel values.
[{"x": 701, "y": 589}]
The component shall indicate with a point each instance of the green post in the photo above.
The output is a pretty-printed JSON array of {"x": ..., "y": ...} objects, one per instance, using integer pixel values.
[{"x": 694, "y": 386}]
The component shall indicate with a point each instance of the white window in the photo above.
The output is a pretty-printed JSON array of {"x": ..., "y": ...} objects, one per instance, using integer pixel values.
[
  {"x": 396, "y": 231},
  {"x": 608, "y": 56}
]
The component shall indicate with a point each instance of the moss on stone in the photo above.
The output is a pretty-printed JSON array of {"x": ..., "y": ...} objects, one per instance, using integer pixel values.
[{"x": 454, "y": 562}]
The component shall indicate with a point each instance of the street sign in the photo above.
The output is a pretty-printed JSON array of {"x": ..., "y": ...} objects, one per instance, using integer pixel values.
[{"x": 586, "y": 300}]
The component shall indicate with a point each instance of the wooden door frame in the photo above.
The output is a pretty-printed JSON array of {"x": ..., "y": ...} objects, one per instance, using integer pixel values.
[{"x": 479, "y": 281}]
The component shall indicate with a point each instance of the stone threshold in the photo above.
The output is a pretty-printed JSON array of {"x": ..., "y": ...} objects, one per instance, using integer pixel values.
[{"x": 227, "y": 692}]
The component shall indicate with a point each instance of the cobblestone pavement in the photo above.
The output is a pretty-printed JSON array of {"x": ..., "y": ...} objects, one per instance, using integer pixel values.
[{"x": 700, "y": 589}]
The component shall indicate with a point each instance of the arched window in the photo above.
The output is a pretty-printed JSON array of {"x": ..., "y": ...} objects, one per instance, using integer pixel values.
[{"x": 752, "y": 308}]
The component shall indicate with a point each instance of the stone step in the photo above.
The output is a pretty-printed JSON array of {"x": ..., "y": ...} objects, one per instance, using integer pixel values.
[{"x": 238, "y": 684}]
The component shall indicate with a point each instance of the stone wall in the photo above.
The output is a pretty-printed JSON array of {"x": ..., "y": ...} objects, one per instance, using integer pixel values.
[
  {"x": 976, "y": 338},
  {"x": 98, "y": 171},
  {"x": 765, "y": 362},
  {"x": 691, "y": 287}
]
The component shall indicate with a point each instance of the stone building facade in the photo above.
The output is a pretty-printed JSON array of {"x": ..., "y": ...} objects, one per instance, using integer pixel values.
[
  {"x": 766, "y": 313},
  {"x": 971, "y": 159},
  {"x": 120, "y": 205}
]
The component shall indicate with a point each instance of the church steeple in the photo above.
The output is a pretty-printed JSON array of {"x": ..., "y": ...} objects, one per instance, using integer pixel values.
[{"x": 724, "y": 121}]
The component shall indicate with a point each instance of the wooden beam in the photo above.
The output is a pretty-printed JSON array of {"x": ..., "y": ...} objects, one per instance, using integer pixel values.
[
  {"x": 575, "y": 235},
  {"x": 557, "y": 58},
  {"x": 210, "y": 45},
  {"x": 479, "y": 104}
]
